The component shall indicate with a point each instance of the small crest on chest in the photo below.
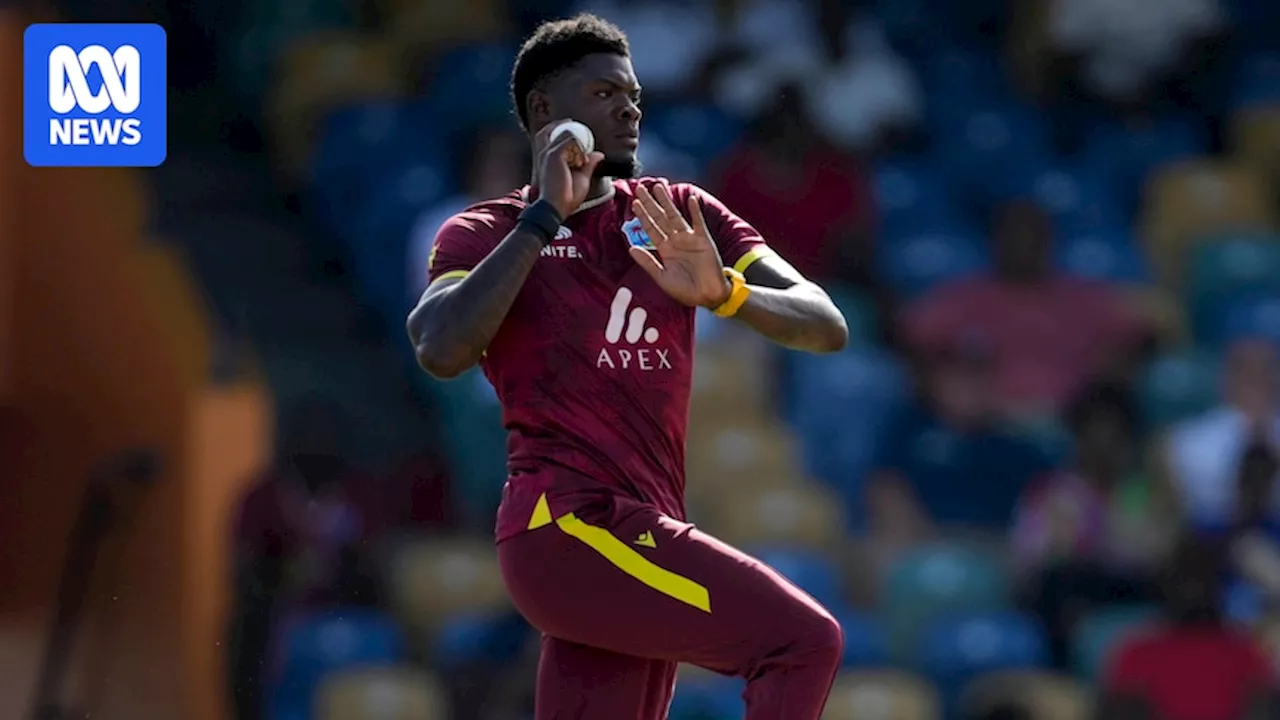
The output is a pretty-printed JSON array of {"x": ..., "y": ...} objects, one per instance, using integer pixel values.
[{"x": 636, "y": 236}]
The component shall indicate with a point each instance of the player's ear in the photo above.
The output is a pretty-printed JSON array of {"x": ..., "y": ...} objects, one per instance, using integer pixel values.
[{"x": 539, "y": 108}]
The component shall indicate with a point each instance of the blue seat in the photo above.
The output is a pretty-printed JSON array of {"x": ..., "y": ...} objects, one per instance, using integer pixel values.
[
  {"x": 1256, "y": 316},
  {"x": 1128, "y": 156},
  {"x": 360, "y": 147},
  {"x": 703, "y": 132},
  {"x": 329, "y": 642},
  {"x": 1244, "y": 602},
  {"x": 477, "y": 637},
  {"x": 469, "y": 87},
  {"x": 866, "y": 644},
  {"x": 1111, "y": 256},
  {"x": 963, "y": 76},
  {"x": 938, "y": 581},
  {"x": 814, "y": 573},
  {"x": 956, "y": 649},
  {"x": 1079, "y": 200},
  {"x": 990, "y": 154},
  {"x": 1097, "y": 636},
  {"x": 1257, "y": 81},
  {"x": 915, "y": 264},
  {"x": 912, "y": 198},
  {"x": 702, "y": 695}
]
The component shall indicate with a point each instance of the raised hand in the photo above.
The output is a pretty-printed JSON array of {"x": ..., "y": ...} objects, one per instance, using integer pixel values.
[
  {"x": 562, "y": 171},
  {"x": 685, "y": 262}
]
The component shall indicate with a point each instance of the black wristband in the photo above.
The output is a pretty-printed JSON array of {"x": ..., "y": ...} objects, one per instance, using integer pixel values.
[{"x": 543, "y": 218}]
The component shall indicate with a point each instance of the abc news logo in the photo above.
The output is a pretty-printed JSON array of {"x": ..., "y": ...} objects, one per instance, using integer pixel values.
[{"x": 69, "y": 91}]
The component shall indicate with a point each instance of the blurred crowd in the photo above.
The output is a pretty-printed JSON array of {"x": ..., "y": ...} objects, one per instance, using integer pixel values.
[{"x": 1042, "y": 478}]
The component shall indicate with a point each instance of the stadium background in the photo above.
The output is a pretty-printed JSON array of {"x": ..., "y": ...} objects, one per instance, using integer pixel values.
[{"x": 272, "y": 258}]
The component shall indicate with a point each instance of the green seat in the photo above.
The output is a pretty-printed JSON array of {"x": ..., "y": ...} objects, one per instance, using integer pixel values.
[
  {"x": 935, "y": 581},
  {"x": 859, "y": 311},
  {"x": 272, "y": 26},
  {"x": 1225, "y": 268},
  {"x": 1176, "y": 387},
  {"x": 1098, "y": 635}
]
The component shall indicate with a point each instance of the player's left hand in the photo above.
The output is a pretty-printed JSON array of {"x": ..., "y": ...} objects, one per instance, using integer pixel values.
[{"x": 687, "y": 265}]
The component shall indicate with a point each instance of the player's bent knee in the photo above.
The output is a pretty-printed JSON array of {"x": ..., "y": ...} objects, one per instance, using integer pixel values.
[{"x": 820, "y": 638}]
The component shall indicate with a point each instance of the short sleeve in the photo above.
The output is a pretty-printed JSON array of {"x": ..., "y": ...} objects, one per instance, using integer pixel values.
[
  {"x": 462, "y": 242},
  {"x": 739, "y": 243}
]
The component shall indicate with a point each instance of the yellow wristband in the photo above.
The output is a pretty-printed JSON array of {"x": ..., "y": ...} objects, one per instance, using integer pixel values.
[{"x": 737, "y": 295}]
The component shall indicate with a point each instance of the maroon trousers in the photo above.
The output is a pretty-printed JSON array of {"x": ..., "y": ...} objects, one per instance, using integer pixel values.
[{"x": 622, "y": 593}]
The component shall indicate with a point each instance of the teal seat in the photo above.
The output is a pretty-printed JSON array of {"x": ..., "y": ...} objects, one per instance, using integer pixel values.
[
  {"x": 476, "y": 441},
  {"x": 1175, "y": 387},
  {"x": 937, "y": 581},
  {"x": 1098, "y": 635},
  {"x": 859, "y": 311},
  {"x": 1226, "y": 268}
]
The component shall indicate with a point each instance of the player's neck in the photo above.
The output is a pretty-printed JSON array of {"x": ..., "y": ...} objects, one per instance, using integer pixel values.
[{"x": 601, "y": 187}]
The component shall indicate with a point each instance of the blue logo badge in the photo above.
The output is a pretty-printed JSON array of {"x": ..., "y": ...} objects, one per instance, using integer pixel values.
[
  {"x": 94, "y": 95},
  {"x": 636, "y": 236}
]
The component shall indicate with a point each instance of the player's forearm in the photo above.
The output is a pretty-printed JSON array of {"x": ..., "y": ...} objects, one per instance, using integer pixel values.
[
  {"x": 451, "y": 329},
  {"x": 800, "y": 317}
]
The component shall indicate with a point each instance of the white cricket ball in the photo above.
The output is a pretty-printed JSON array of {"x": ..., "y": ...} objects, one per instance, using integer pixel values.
[{"x": 580, "y": 132}]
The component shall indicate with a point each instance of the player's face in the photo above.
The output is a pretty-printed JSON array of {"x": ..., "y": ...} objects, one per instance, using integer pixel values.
[{"x": 602, "y": 92}]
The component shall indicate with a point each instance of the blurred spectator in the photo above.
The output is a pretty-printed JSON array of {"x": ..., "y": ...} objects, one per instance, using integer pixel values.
[
  {"x": 497, "y": 163},
  {"x": 811, "y": 201},
  {"x": 1126, "y": 48},
  {"x": 1088, "y": 535},
  {"x": 867, "y": 93},
  {"x": 1051, "y": 333},
  {"x": 673, "y": 40},
  {"x": 1102, "y": 509},
  {"x": 1203, "y": 454},
  {"x": 304, "y": 535},
  {"x": 946, "y": 463},
  {"x": 1193, "y": 665},
  {"x": 1252, "y": 536},
  {"x": 420, "y": 495}
]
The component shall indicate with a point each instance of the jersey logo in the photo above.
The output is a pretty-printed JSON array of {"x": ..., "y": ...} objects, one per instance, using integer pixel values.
[
  {"x": 634, "y": 321},
  {"x": 636, "y": 236},
  {"x": 628, "y": 325},
  {"x": 645, "y": 539},
  {"x": 563, "y": 233}
]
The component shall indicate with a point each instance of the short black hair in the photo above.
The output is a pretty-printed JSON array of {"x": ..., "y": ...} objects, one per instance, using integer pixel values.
[{"x": 556, "y": 46}]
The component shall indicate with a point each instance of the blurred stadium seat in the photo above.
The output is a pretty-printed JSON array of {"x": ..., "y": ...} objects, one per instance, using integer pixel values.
[
  {"x": 811, "y": 570},
  {"x": 1162, "y": 311},
  {"x": 703, "y": 132},
  {"x": 469, "y": 88},
  {"x": 990, "y": 153},
  {"x": 956, "y": 649},
  {"x": 1223, "y": 270},
  {"x": 1043, "y": 695},
  {"x": 1080, "y": 200},
  {"x": 703, "y": 695},
  {"x": 1257, "y": 81},
  {"x": 936, "y": 581},
  {"x": 800, "y": 515},
  {"x": 866, "y": 644},
  {"x": 1178, "y": 386},
  {"x": 1255, "y": 316},
  {"x": 1128, "y": 156},
  {"x": 437, "y": 580},
  {"x": 318, "y": 74},
  {"x": 1255, "y": 140},
  {"x": 269, "y": 28},
  {"x": 912, "y": 198},
  {"x": 1195, "y": 199},
  {"x": 419, "y": 30},
  {"x": 915, "y": 264},
  {"x": 386, "y": 693},
  {"x": 1105, "y": 256},
  {"x": 881, "y": 695},
  {"x": 316, "y": 646},
  {"x": 1098, "y": 635}
]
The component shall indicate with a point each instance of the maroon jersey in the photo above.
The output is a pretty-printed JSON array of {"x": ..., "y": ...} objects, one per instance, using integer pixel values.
[{"x": 594, "y": 362}]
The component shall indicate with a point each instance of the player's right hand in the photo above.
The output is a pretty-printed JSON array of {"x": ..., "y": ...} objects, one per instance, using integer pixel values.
[{"x": 562, "y": 171}]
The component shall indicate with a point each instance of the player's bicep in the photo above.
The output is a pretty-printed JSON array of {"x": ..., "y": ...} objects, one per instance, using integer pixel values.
[{"x": 772, "y": 271}]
